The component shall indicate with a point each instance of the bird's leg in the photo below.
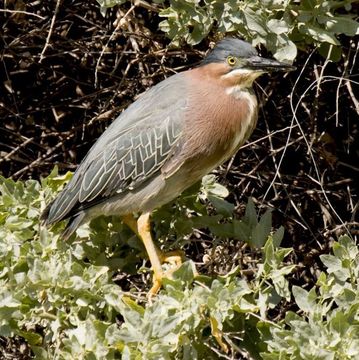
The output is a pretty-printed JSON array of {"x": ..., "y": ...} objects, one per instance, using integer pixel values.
[
  {"x": 131, "y": 222},
  {"x": 144, "y": 231},
  {"x": 141, "y": 228},
  {"x": 172, "y": 257}
]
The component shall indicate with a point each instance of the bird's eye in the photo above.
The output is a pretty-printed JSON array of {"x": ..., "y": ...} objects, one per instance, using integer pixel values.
[{"x": 231, "y": 60}]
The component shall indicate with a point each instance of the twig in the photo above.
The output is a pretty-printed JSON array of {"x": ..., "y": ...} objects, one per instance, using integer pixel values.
[
  {"x": 337, "y": 94},
  {"x": 47, "y": 43},
  {"x": 351, "y": 93},
  {"x": 316, "y": 168},
  {"x": 251, "y": 143},
  {"x": 146, "y": 5},
  {"x": 118, "y": 26},
  {"x": 22, "y": 12},
  {"x": 8, "y": 156},
  {"x": 43, "y": 157},
  {"x": 291, "y": 127}
]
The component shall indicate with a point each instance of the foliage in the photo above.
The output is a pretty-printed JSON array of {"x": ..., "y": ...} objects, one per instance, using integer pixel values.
[
  {"x": 280, "y": 25},
  {"x": 329, "y": 326},
  {"x": 62, "y": 299}
]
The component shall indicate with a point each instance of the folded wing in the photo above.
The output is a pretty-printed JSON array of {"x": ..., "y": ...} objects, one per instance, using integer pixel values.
[{"x": 130, "y": 151}]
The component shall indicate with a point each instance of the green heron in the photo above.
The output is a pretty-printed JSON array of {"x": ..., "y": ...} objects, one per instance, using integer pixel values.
[{"x": 167, "y": 140}]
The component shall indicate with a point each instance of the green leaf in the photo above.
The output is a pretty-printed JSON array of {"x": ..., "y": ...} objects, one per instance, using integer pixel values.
[
  {"x": 222, "y": 206},
  {"x": 281, "y": 253},
  {"x": 252, "y": 340},
  {"x": 330, "y": 52},
  {"x": 340, "y": 25},
  {"x": 278, "y": 237},
  {"x": 336, "y": 266},
  {"x": 280, "y": 283},
  {"x": 318, "y": 34},
  {"x": 285, "y": 51},
  {"x": 270, "y": 261},
  {"x": 331, "y": 262},
  {"x": 241, "y": 230},
  {"x": 278, "y": 26},
  {"x": 133, "y": 305},
  {"x": 304, "y": 299},
  {"x": 346, "y": 248},
  {"x": 186, "y": 272},
  {"x": 255, "y": 22},
  {"x": 339, "y": 323},
  {"x": 250, "y": 216},
  {"x": 110, "y": 3},
  {"x": 31, "y": 337},
  {"x": 211, "y": 187},
  {"x": 206, "y": 221},
  {"x": 262, "y": 230},
  {"x": 225, "y": 230}
]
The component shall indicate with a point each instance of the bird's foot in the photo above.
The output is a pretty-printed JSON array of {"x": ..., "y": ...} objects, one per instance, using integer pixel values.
[
  {"x": 157, "y": 284},
  {"x": 174, "y": 259}
]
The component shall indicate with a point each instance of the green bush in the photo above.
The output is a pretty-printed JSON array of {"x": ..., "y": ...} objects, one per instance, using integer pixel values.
[
  {"x": 61, "y": 297},
  {"x": 327, "y": 326},
  {"x": 280, "y": 25}
]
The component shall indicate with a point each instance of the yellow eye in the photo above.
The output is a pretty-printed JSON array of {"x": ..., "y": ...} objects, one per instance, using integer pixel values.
[{"x": 231, "y": 61}]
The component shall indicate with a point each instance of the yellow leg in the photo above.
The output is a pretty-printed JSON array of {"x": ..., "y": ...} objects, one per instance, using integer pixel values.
[
  {"x": 144, "y": 231},
  {"x": 131, "y": 222},
  {"x": 142, "y": 228}
]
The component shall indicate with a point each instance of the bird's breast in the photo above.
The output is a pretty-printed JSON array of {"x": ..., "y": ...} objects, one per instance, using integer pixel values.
[
  {"x": 220, "y": 120},
  {"x": 217, "y": 121}
]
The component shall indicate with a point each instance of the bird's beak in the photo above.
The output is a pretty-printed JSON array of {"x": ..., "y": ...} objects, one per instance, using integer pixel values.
[{"x": 261, "y": 64}]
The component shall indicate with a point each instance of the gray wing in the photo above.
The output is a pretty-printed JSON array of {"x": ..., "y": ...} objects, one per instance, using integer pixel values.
[{"x": 130, "y": 151}]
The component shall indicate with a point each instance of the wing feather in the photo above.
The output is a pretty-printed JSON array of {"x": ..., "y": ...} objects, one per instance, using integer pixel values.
[{"x": 131, "y": 150}]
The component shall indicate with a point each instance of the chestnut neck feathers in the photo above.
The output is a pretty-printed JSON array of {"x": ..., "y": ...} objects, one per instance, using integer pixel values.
[{"x": 224, "y": 112}]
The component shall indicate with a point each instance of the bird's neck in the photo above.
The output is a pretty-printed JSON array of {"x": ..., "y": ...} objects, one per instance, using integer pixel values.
[
  {"x": 224, "y": 117},
  {"x": 240, "y": 92},
  {"x": 240, "y": 78}
]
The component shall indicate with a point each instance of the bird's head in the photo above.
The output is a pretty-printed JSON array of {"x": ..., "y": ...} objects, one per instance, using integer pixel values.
[{"x": 238, "y": 62}]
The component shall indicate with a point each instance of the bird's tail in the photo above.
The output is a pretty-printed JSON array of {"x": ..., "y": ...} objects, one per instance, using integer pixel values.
[
  {"x": 44, "y": 217},
  {"x": 73, "y": 224}
]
